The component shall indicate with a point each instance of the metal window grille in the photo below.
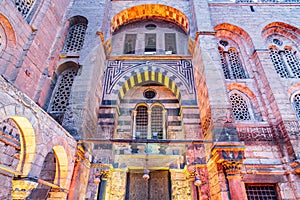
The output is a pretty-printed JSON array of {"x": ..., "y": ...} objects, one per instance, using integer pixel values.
[
  {"x": 157, "y": 122},
  {"x": 239, "y": 107},
  {"x": 261, "y": 192},
  {"x": 231, "y": 64},
  {"x": 235, "y": 64},
  {"x": 286, "y": 63},
  {"x": 278, "y": 63},
  {"x": 24, "y": 6},
  {"x": 224, "y": 64},
  {"x": 142, "y": 122},
  {"x": 292, "y": 62},
  {"x": 75, "y": 38},
  {"x": 296, "y": 104},
  {"x": 62, "y": 91}
]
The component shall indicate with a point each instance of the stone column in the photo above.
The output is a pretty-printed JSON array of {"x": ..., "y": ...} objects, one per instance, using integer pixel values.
[
  {"x": 233, "y": 175},
  {"x": 149, "y": 134},
  {"x": 21, "y": 189},
  {"x": 181, "y": 188},
  {"x": 134, "y": 124},
  {"x": 164, "y": 113},
  {"x": 228, "y": 158}
]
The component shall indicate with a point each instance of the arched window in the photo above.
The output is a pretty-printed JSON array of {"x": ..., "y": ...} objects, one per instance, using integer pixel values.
[
  {"x": 149, "y": 123},
  {"x": 61, "y": 94},
  {"x": 157, "y": 122},
  {"x": 240, "y": 107},
  {"x": 284, "y": 59},
  {"x": 76, "y": 34},
  {"x": 231, "y": 63},
  {"x": 296, "y": 104},
  {"x": 141, "y": 122},
  {"x": 24, "y": 6}
]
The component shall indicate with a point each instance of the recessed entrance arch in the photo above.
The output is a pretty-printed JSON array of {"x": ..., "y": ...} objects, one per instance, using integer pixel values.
[{"x": 148, "y": 11}]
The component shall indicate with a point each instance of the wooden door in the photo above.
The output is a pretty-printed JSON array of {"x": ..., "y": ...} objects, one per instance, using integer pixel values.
[{"x": 156, "y": 188}]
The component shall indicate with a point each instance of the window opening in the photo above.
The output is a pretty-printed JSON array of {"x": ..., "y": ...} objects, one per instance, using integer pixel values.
[
  {"x": 150, "y": 42},
  {"x": 285, "y": 61},
  {"x": 24, "y": 6},
  {"x": 296, "y": 104},
  {"x": 150, "y": 26},
  {"x": 142, "y": 122},
  {"x": 149, "y": 94},
  {"x": 157, "y": 122},
  {"x": 231, "y": 63},
  {"x": 129, "y": 46},
  {"x": 239, "y": 107},
  {"x": 255, "y": 192},
  {"x": 170, "y": 43},
  {"x": 75, "y": 38},
  {"x": 62, "y": 93}
]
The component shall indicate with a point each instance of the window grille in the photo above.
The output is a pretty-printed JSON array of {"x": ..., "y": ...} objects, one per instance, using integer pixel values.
[
  {"x": 24, "y": 6},
  {"x": 170, "y": 43},
  {"x": 142, "y": 122},
  {"x": 129, "y": 46},
  {"x": 261, "y": 192},
  {"x": 296, "y": 104},
  {"x": 239, "y": 107},
  {"x": 157, "y": 122},
  {"x": 62, "y": 91},
  {"x": 285, "y": 62},
  {"x": 75, "y": 38},
  {"x": 224, "y": 64},
  {"x": 231, "y": 64}
]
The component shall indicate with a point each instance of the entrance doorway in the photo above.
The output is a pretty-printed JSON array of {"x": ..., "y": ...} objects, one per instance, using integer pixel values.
[{"x": 156, "y": 188}]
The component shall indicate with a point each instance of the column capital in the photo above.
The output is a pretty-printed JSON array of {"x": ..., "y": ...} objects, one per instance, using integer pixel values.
[{"x": 22, "y": 188}]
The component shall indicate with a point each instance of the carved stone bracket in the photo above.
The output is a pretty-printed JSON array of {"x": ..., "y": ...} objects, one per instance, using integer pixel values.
[
  {"x": 21, "y": 189},
  {"x": 230, "y": 156}
]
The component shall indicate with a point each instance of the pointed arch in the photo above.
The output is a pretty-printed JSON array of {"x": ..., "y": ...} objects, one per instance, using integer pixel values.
[
  {"x": 146, "y": 11},
  {"x": 235, "y": 34},
  {"x": 282, "y": 29},
  {"x": 61, "y": 173},
  {"x": 9, "y": 31},
  {"x": 28, "y": 144}
]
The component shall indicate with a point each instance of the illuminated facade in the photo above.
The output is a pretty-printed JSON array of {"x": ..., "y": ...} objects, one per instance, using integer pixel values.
[{"x": 135, "y": 100}]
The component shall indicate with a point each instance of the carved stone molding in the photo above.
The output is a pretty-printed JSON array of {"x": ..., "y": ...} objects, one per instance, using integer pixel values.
[
  {"x": 255, "y": 134},
  {"x": 21, "y": 189}
]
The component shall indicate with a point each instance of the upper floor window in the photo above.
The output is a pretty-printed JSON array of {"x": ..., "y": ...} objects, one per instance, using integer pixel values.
[
  {"x": 285, "y": 61},
  {"x": 129, "y": 46},
  {"x": 170, "y": 43},
  {"x": 296, "y": 104},
  {"x": 61, "y": 93},
  {"x": 149, "y": 123},
  {"x": 76, "y": 34},
  {"x": 284, "y": 57},
  {"x": 240, "y": 107},
  {"x": 231, "y": 63},
  {"x": 150, "y": 43},
  {"x": 149, "y": 37},
  {"x": 24, "y": 6}
]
